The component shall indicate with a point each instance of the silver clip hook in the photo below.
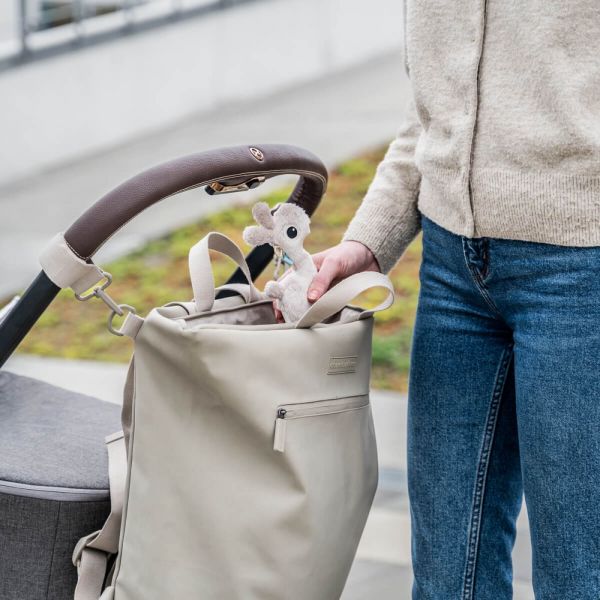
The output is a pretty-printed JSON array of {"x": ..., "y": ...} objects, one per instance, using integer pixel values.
[{"x": 116, "y": 309}]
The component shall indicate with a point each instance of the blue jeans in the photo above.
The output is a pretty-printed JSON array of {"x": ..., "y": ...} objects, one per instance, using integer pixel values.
[{"x": 504, "y": 399}]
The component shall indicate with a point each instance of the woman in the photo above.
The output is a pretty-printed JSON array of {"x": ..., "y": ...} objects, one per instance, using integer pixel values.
[{"x": 499, "y": 162}]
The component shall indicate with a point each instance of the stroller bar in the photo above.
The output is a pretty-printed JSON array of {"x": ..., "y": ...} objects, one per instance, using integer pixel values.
[
  {"x": 222, "y": 170},
  {"x": 228, "y": 167},
  {"x": 8, "y": 307},
  {"x": 23, "y": 316}
]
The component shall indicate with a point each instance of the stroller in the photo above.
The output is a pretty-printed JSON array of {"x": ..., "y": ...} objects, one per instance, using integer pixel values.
[{"x": 54, "y": 486}]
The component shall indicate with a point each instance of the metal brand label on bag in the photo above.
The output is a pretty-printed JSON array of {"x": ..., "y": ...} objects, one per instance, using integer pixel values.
[{"x": 342, "y": 364}]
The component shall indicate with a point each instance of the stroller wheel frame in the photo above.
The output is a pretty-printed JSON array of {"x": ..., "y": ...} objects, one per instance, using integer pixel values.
[{"x": 222, "y": 170}]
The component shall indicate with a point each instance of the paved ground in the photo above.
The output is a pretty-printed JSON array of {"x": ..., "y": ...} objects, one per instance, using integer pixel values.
[
  {"x": 336, "y": 118},
  {"x": 382, "y": 568}
]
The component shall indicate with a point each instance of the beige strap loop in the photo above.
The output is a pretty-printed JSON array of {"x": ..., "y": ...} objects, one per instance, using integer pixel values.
[
  {"x": 131, "y": 325},
  {"x": 343, "y": 293},
  {"x": 91, "y": 570},
  {"x": 67, "y": 270},
  {"x": 92, "y": 551},
  {"x": 201, "y": 274}
]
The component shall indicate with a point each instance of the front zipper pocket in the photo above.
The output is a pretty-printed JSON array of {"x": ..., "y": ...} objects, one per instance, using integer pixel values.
[{"x": 286, "y": 412}]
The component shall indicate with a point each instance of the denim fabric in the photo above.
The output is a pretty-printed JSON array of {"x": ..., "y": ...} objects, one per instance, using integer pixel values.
[{"x": 504, "y": 398}]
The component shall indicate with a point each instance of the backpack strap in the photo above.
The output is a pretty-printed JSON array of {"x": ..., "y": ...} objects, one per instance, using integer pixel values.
[
  {"x": 201, "y": 272},
  {"x": 92, "y": 551},
  {"x": 343, "y": 293}
]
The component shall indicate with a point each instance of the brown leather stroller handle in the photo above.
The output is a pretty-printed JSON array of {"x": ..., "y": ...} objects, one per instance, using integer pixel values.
[{"x": 224, "y": 169}]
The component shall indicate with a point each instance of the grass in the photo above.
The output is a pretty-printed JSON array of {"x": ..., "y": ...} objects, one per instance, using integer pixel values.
[{"x": 158, "y": 273}]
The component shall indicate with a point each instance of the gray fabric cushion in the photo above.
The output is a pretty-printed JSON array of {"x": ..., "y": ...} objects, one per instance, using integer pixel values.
[
  {"x": 53, "y": 484},
  {"x": 53, "y": 437}
]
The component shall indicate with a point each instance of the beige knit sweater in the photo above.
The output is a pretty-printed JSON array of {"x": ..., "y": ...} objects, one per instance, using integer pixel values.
[{"x": 503, "y": 137}]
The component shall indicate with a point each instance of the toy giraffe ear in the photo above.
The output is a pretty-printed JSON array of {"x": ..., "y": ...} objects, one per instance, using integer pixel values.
[
  {"x": 255, "y": 235},
  {"x": 262, "y": 214}
]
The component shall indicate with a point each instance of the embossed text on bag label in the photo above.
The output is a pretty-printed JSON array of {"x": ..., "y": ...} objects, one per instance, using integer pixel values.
[{"x": 342, "y": 364}]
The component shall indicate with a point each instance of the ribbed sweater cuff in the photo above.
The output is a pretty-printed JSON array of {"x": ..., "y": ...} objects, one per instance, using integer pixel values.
[{"x": 384, "y": 229}]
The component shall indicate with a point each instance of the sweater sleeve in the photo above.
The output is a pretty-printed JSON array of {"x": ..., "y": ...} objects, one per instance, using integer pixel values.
[{"x": 388, "y": 220}]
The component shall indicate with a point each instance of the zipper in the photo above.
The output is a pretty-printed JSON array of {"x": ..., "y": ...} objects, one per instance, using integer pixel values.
[{"x": 312, "y": 409}]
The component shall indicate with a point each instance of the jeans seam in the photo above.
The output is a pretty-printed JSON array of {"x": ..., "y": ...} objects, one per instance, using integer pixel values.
[
  {"x": 479, "y": 284},
  {"x": 482, "y": 469}
]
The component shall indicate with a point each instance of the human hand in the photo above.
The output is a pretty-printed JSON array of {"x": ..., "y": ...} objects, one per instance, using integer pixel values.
[
  {"x": 339, "y": 262},
  {"x": 335, "y": 264}
]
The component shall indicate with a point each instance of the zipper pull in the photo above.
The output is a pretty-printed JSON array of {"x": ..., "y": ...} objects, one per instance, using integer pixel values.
[{"x": 280, "y": 427}]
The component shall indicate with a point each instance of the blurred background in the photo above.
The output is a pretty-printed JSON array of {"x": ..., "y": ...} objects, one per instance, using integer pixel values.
[{"x": 94, "y": 91}]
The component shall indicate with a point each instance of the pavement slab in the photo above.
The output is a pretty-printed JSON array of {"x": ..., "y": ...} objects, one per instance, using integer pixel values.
[{"x": 371, "y": 580}]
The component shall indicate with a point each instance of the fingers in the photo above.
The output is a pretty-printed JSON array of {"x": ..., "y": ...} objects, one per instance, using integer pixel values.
[{"x": 328, "y": 272}]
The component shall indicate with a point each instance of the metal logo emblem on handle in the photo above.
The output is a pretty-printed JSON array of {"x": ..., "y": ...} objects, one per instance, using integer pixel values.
[{"x": 258, "y": 155}]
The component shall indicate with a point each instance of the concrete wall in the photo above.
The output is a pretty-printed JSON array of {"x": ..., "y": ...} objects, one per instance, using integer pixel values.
[{"x": 75, "y": 104}]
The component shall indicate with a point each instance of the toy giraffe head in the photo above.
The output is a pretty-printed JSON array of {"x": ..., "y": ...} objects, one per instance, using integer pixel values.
[{"x": 284, "y": 227}]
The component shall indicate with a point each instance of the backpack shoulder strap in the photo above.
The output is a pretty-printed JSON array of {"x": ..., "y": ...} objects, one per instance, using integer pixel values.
[{"x": 92, "y": 551}]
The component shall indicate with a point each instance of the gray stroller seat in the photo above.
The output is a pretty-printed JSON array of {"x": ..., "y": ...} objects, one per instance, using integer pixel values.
[{"x": 53, "y": 483}]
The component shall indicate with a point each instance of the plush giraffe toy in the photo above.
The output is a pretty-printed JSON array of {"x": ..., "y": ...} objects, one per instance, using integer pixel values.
[{"x": 285, "y": 228}]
